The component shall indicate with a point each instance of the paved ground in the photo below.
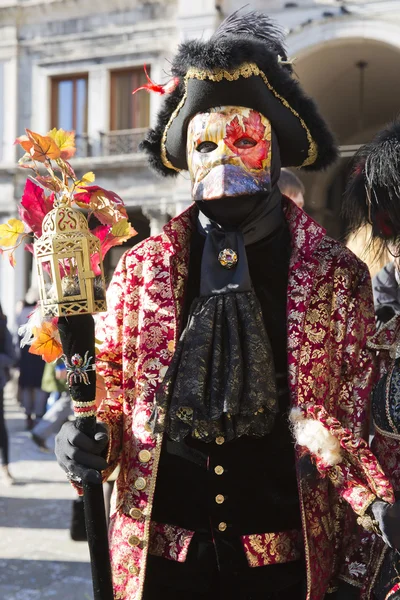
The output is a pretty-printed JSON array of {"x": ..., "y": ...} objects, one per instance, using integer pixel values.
[{"x": 38, "y": 560}]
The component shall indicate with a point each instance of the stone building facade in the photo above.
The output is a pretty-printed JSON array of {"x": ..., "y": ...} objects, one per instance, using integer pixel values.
[{"x": 73, "y": 63}]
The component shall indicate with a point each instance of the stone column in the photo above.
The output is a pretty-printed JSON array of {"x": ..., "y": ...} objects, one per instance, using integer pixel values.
[
  {"x": 98, "y": 105},
  {"x": 157, "y": 217}
]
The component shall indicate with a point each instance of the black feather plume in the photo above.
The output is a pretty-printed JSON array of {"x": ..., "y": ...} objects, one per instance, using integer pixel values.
[
  {"x": 253, "y": 24},
  {"x": 373, "y": 191}
]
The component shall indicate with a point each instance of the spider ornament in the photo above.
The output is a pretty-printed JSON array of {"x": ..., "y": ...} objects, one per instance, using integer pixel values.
[{"x": 78, "y": 367}]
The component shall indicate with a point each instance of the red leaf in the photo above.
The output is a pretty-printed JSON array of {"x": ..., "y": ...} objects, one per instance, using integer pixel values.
[
  {"x": 106, "y": 206},
  {"x": 107, "y": 241},
  {"x": 253, "y": 126},
  {"x": 101, "y": 232},
  {"x": 253, "y": 157},
  {"x": 234, "y": 130},
  {"x": 34, "y": 206},
  {"x": 82, "y": 198}
]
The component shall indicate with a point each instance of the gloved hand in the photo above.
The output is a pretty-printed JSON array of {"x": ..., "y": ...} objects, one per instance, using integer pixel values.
[
  {"x": 79, "y": 455},
  {"x": 388, "y": 518}
]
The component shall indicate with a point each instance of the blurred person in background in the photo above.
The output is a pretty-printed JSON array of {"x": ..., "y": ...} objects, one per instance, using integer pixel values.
[
  {"x": 386, "y": 290},
  {"x": 54, "y": 382},
  {"x": 291, "y": 186},
  {"x": 372, "y": 199},
  {"x": 7, "y": 360},
  {"x": 368, "y": 249},
  {"x": 31, "y": 367}
]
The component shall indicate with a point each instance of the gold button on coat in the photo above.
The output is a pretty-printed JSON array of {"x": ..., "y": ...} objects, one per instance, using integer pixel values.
[
  {"x": 144, "y": 456},
  {"x": 219, "y": 499},
  {"x": 219, "y": 470},
  {"x": 136, "y": 513},
  {"x": 148, "y": 428},
  {"x": 222, "y": 526},
  {"x": 220, "y": 440},
  {"x": 134, "y": 540},
  {"x": 140, "y": 483},
  {"x": 133, "y": 570}
]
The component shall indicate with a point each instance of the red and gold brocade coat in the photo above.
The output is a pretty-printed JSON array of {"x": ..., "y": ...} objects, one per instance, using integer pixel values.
[{"x": 329, "y": 319}]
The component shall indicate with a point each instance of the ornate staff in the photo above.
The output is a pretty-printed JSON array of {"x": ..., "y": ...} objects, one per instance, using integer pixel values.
[{"x": 72, "y": 288}]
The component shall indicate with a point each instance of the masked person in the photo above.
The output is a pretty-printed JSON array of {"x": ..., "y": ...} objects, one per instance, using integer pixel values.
[
  {"x": 241, "y": 311},
  {"x": 373, "y": 199}
]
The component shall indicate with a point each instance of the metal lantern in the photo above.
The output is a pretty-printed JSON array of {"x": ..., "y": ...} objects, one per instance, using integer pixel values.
[{"x": 64, "y": 256}]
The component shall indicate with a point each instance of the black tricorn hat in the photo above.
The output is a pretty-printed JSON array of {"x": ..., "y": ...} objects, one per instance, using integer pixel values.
[
  {"x": 373, "y": 189},
  {"x": 244, "y": 63}
]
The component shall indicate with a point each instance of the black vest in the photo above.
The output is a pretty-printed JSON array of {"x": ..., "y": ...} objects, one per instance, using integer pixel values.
[{"x": 248, "y": 485}]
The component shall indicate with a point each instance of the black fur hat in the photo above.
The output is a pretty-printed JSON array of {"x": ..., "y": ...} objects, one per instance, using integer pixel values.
[
  {"x": 373, "y": 190},
  {"x": 243, "y": 64}
]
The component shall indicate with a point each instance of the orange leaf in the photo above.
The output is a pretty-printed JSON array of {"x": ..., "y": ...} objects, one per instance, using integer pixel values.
[
  {"x": 25, "y": 142},
  {"x": 43, "y": 147},
  {"x": 46, "y": 343}
]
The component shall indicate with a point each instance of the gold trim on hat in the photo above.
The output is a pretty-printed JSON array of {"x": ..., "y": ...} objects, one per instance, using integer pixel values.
[{"x": 245, "y": 70}]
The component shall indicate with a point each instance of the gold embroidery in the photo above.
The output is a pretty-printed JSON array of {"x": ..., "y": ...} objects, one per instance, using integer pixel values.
[
  {"x": 246, "y": 70},
  {"x": 389, "y": 434},
  {"x": 273, "y": 548},
  {"x": 305, "y": 537},
  {"x": 146, "y": 535}
]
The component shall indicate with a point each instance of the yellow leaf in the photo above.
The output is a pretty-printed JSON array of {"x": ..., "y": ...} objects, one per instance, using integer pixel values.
[
  {"x": 88, "y": 177},
  {"x": 65, "y": 140},
  {"x": 10, "y": 232},
  {"x": 121, "y": 228},
  {"x": 46, "y": 343}
]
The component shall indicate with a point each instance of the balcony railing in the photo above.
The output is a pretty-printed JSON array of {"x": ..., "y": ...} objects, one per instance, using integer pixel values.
[
  {"x": 124, "y": 141},
  {"x": 83, "y": 145},
  {"x": 110, "y": 143}
]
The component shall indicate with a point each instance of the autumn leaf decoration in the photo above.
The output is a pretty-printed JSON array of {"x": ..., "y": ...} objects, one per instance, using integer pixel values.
[
  {"x": 51, "y": 153},
  {"x": 51, "y": 176},
  {"x": 46, "y": 342},
  {"x": 253, "y": 157}
]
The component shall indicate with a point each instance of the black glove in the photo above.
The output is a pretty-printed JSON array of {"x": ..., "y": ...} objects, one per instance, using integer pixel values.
[
  {"x": 384, "y": 314},
  {"x": 388, "y": 518},
  {"x": 79, "y": 455}
]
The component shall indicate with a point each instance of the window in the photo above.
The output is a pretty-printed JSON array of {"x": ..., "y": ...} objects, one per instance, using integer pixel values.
[
  {"x": 129, "y": 111},
  {"x": 69, "y": 103}
]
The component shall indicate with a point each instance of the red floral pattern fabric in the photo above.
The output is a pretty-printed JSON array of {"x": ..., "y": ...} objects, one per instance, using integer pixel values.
[
  {"x": 169, "y": 541},
  {"x": 330, "y": 319},
  {"x": 273, "y": 548}
]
